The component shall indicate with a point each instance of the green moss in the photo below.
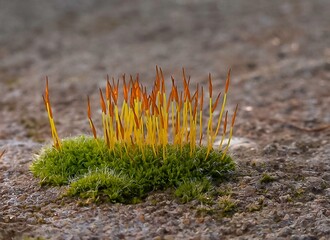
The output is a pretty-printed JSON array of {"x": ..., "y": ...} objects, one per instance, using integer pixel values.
[
  {"x": 256, "y": 206},
  {"x": 193, "y": 189},
  {"x": 203, "y": 211},
  {"x": 128, "y": 175},
  {"x": 227, "y": 205},
  {"x": 266, "y": 178},
  {"x": 299, "y": 192},
  {"x": 223, "y": 191},
  {"x": 102, "y": 182}
]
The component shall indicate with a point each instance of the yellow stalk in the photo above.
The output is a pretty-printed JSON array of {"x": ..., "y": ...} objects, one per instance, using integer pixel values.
[
  {"x": 173, "y": 121},
  {"x": 201, "y": 118},
  {"x": 56, "y": 140},
  {"x": 89, "y": 115},
  {"x": 230, "y": 131},
  {"x": 209, "y": 129},
  {"x": 224, "y": 100},
  {"x": 105, "y": 131},
  {"x": 224, "y": 131},
  {"x": 143, "y": 119}
]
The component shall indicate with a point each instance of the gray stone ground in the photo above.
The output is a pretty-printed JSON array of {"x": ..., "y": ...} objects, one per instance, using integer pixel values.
[{"x": 279, "y": 52}]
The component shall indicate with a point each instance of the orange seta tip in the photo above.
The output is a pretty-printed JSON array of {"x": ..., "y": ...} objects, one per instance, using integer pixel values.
[
  {"x": 228, "y": 80},
  {"x": 234, "y": 116},
  {"x": 46, "y": 89},
  {"x": 202, "y": 99},
  {"x": 88, "y": 108},
  {"x": 216, "y": 103},
  {"x": 136, "y": 119},
  {"x": 108, "y": 89},
  {"x": 45, "y": 102},
  {"x": 102, "y": 102},
  {"x": 184, "y": 78},
  {"x": 196, "y": 93},
  {"x": 2, "y": 153}
]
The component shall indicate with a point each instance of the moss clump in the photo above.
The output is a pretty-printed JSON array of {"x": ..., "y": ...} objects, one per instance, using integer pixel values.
[
  {"x": 190, "y": 190},
  {"x": 115, "y": 186},
  {"x": 127, "y": 174},
  {"x": 228, "y": 205},
  {"x": 266, "y": 178}
]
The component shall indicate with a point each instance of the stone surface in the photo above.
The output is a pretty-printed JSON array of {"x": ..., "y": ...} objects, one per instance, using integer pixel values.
[{"x": 280, "y": 58}]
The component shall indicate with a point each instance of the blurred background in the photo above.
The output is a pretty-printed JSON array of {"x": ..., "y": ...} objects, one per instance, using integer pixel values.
[
  {"x": 76, "y": 43},
  {"x": 279, "y": 53}
]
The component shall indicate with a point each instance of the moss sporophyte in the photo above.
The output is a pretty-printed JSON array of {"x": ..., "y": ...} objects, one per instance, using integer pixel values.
[
  {"x": 151, "y": 141},
  {"x": 2, "y": 153}
]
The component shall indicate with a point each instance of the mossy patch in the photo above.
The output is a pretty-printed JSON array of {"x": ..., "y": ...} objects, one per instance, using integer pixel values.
[
  {"x": 266, "y": 178},
  {"x": 127, "y": 174}
]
